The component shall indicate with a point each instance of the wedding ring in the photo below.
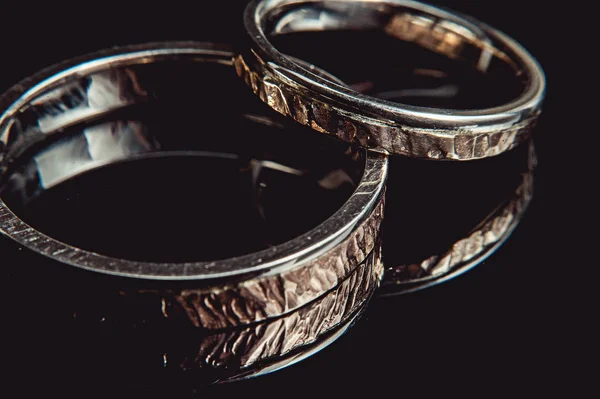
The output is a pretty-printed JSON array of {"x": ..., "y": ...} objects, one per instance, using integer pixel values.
[
  {"x": 43, "y": 111},
  {"x": 379, "y": 124}
]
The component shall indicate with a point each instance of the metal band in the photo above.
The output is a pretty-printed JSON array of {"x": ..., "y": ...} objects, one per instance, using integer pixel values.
[
  {"x": 378, "y": 124},
  {"x": 218, "y": 294},
  {"x": 271, "y": 340}
]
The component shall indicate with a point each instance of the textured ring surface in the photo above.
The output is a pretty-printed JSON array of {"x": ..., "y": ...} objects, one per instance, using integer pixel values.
[{"x": 379, "y": 124}]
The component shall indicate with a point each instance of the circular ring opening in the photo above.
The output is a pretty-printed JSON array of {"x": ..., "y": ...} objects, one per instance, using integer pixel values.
[{"x": 51, "y": 106}]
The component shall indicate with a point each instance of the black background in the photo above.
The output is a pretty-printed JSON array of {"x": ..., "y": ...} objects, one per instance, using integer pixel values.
[{"x": 507, "y": 327}]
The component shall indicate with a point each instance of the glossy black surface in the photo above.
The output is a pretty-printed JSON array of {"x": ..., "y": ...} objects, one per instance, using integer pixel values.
[{"x": 507, "y": 327}]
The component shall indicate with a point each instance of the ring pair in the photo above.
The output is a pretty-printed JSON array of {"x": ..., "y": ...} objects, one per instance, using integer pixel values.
[{"x": 43, "y": 112}]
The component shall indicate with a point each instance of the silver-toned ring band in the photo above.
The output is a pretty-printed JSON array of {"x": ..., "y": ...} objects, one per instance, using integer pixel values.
[
  {"x": 230, "y": 292},
  {"x": 379, "y": 124}
]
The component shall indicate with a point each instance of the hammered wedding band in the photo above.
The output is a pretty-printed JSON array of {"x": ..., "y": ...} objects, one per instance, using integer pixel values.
[
  {"x": 213, "y": 294},
  {"x": 378, "y": 124}
]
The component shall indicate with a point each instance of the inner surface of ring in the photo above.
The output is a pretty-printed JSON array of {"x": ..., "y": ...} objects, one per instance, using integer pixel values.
[
  {"x": 398, "y": 53},
  {"x": 169, "y": 161}
]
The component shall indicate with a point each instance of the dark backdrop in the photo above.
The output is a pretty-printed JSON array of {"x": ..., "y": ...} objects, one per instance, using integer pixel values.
[{"x": 497, "y": 329}]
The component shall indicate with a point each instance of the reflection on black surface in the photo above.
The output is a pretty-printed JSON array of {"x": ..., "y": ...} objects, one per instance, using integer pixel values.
[
  {"x": 443, "y": 219},
  {"x": 92, "y": 335},
  {"x": 126, "y": 341}
]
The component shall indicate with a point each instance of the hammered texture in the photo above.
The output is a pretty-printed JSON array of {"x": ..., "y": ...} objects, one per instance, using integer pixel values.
[
  {"x": 243, "y": 347},
  {"x": 377, "y": 134},
  {"x": 258, "y": 299}
]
